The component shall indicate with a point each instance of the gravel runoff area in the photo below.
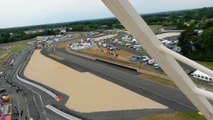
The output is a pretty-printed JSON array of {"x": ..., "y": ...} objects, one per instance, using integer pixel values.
[{"x": 87, "y": 92}]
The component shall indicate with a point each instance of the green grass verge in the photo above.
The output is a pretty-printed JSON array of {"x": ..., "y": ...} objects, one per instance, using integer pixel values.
[
  {"x": 19, "y": 48},
  {"x": 158, "y": 80},
  {"x": 175, "y": 116},
  {"x": 1, "y": 51},
  {"x": 14, "y": 50},
  {"x": 56, "y": 57},
  {"x": 206, "y": 64},
  {"x": 155, "y": 26}
]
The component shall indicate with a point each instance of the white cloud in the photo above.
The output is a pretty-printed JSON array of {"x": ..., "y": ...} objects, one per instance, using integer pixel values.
[{"x": 147, "y": 6}]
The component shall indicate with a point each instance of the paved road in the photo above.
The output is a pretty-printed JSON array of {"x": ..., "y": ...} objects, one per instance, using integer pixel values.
[
  {"x": 31, "y": 100},
  {"x": 165, "y": 95},
  {"x": 17, "y": 98}
]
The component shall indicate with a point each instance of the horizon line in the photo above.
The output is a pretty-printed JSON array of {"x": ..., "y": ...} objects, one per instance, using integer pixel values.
[{"x": 93, "y": 19}]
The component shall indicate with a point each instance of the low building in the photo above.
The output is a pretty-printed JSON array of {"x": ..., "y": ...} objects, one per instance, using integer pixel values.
[{"x": 202, "y": 76}]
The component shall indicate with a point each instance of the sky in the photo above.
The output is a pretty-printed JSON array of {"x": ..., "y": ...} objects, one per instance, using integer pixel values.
[{"x": 15, "y": 13}]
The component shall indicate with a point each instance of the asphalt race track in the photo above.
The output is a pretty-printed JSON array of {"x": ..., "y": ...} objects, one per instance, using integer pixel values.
[{"x": 171, "y": 97}]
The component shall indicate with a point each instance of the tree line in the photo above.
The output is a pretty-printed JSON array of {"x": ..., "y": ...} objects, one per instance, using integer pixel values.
[
  {"x": 193, "y": 45},
  {"x": 6, "y": 37},
  {"x": 197, "y": 46}
]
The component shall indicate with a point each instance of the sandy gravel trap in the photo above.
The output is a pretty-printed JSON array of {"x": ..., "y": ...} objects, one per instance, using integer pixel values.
[{"x": 87, "y": 92}]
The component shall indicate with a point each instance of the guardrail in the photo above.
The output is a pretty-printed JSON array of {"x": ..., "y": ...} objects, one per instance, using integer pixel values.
[
  {"x": 61, "y": 113},
  {"x": 117, "y": 64},
  {"x": 39, "y": 87}
]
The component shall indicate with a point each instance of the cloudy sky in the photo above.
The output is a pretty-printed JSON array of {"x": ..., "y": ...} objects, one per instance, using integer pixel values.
[{"x": 15, "y": 13}]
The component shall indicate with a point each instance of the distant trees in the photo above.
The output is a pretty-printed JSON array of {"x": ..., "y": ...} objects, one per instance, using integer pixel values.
[
  {"x": 188, "y": 41},
  {"x": 199, "y": 47},
  {"x": 6, "y": 37},
  {"x": 193, "y": 45},
  {"x": 208, "y": 24},
  {"x": 206, "y": 44}
]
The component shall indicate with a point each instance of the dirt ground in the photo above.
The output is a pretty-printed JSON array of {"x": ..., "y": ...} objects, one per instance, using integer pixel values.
[{"x": 87, "y": 92}]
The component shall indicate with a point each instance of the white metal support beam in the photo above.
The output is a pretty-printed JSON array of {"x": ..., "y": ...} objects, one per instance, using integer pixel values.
[{"x": 133, "y": 22}]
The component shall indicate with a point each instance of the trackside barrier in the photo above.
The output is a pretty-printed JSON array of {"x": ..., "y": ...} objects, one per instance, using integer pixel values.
[
  {"x": 118, "y": 64},
  {"x": 61, "y": 113},
  {"x": 39, "y": 87}
]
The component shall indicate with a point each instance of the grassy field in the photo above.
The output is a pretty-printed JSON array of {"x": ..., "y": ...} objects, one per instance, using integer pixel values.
[
  {"x": 102, "y": 52},
  {"x": 1, "y": 51},
  {"x": 19, "y": 48},
  {"x": 56, "y": 57},
  {"x": 155, "y": 26},
  {"x": 206, "y": 64},
  {"x": 14, "y": 50},
  {"x": 159, "y": 80},
  {"x": 123, "y": 58},
  {"x": 175, "y": 116},
  {"x": 149, "y": 73}
]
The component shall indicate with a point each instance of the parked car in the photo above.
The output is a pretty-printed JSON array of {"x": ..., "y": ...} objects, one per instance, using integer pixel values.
[
  {"x": 130, "y": 46},
  {"x": 137, "y": 46},
  {"x": 2, "y": 90},
  {"x": 140, "y": 57},
  {"x": 113, "y": 48},
  {"x": 104, "y": 45},
  {"x": 138, "y": 49},
  {"x": 156, "y": 66},
  {"x": 151, "y": 62},
  {"x": 176, "y": 49},
  {"x": 146, "y": 58},
  {"x": 120, "y": 43},
  {"x": 134, "y": 59},
  {"x": 1, "y": 74}
]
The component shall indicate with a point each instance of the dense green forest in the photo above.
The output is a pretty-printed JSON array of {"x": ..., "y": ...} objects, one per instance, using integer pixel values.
[
  {"x": 6, "y": 37},
  {"x": 197, "y": 46}
]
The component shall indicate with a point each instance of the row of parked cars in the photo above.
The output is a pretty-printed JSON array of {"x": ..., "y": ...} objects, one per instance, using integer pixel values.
[{"x": 145, "y": 60}]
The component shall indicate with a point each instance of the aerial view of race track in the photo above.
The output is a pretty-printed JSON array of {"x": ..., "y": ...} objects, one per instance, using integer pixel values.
[{"x": 155, "y": 66}]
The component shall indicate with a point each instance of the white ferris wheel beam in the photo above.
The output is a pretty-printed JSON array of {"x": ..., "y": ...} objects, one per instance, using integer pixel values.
[{"x": 133, "y": 22}]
